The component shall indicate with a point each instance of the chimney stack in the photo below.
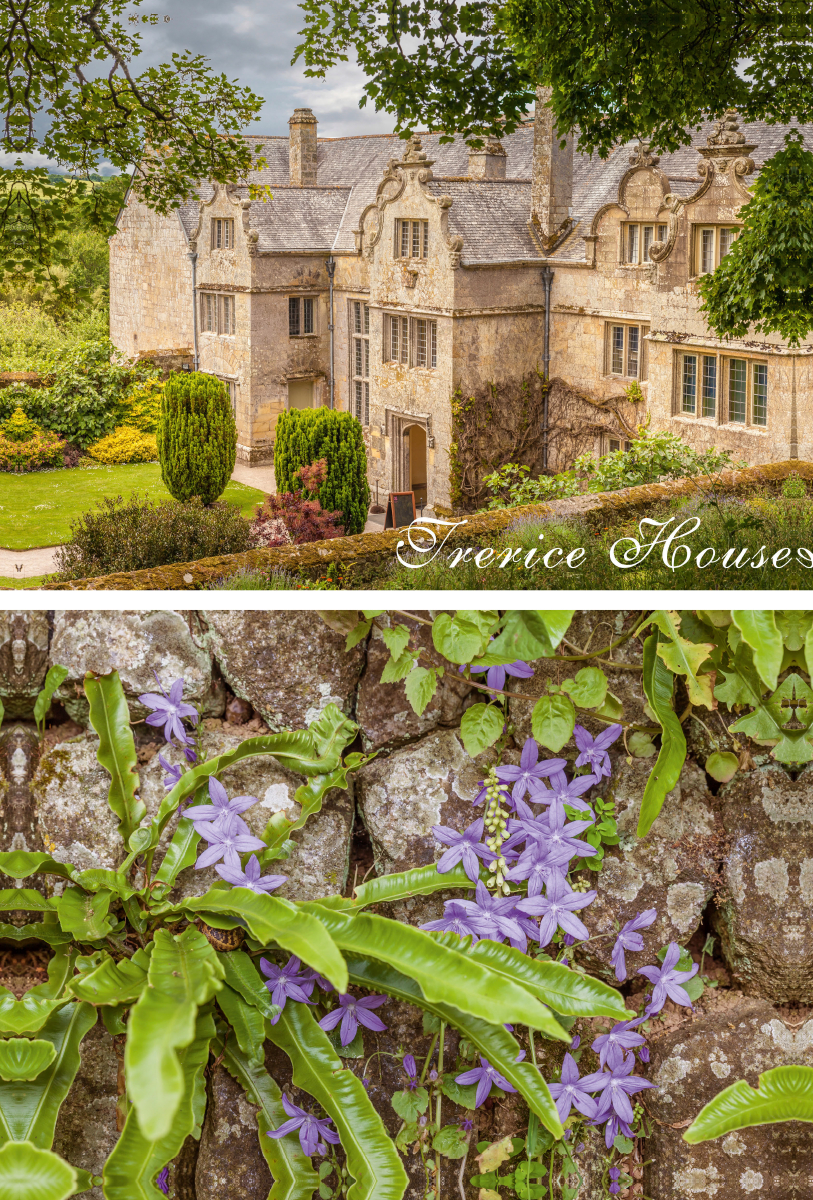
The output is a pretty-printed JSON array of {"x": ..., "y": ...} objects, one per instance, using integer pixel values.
[
  {"x": 302, "y": 147},
  {"x": 489, "y": 161},
  {"x": 552, "y": 177}
]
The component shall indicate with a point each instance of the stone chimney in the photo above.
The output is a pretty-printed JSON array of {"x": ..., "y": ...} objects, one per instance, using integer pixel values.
[
  {"x": 552, "y": 176},
  {"x": 489, "y": 161},
  {"x": 302, "y": 148}
]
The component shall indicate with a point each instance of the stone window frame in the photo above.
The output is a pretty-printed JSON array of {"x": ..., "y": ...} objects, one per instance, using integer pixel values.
[
  {"x": 230, "y": 384},
  {"x": 410, "y": 238},
  {"x": 222, "y": 233},
  {"x": 359, "y": 348},
  {"x": 612, "y": 444},
  {"x": 611, "y": 349},
  {"x": 410, "y": 341},
  {"x": 218, "y": 313},
  {"x": 660, "y": 232},
  {"x": 691, "y": 373},
  {"x": 306, "y": 309},
  {"x": 698, "y": 252}
]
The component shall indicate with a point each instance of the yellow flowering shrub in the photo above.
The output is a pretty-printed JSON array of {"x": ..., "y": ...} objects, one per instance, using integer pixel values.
[
  {"x": 125, "y": 445},
  {"x": 142, "y": 405}
]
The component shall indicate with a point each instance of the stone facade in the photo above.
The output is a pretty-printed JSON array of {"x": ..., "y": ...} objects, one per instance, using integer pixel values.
[{"x": 448, "y": 245}]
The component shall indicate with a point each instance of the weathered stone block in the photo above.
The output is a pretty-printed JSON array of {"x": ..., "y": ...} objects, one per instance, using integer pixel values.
[
  {"x": 134, "y": 644},
  {"x": 23, "y": 660},
  {"x": 230, "y": 1162},
  {"x": 86, "y": 1126},
  {"x": 288, "y": 665}
]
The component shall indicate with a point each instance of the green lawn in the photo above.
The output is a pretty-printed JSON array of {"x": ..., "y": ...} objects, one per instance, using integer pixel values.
[{"x": 36, "y": 509}]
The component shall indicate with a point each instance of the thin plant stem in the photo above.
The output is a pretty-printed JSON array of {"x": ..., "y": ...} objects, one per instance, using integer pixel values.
[{"x": 439, "y": 1103}]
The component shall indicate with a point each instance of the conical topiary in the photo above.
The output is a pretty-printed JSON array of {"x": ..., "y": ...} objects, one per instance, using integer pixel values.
[
  {"x": 303, "y": 436},
  {"x": 197, "y": 437}
]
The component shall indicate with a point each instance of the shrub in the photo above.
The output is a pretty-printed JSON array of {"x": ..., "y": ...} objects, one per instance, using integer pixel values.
[
  {"x": 299, "y": 513},
  {"x": 652, "y": 456},
  {"x": 305, "y": 435},
  {"x": 142, "y": 405},
  {"x": 26, "y": 447},
  {"x": 197, "y": 436},
  {"x": 125, "y": 445},
  {"x": 133, "y": 534}
]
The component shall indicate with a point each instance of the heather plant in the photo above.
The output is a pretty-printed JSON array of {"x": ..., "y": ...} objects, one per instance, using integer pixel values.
[{"x": 137, "y": 533}]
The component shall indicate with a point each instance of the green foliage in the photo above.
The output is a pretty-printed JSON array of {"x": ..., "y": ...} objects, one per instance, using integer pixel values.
[
  {"x": 84, "y": 400},
  {"x": 133, "y": 534},
  {"x": 659, "y": 685},
  {"x": 124, "y": 445},
  {"x": 110, "y": 718},
  {"x": 765, "y": 282},
  {"x": 26, "y": 447},
  {"x": 511, "y": 485},
  {"x": 28, "y": 1173},
  {"x": 303, "y": 436},
  {"x": 55, "y": 677},
  {"x": 142, "y": 405},
  {"x": 784, "y": 1094},
  {"x": 651, "y": 457},
  {"x": 197, "y": 436}
]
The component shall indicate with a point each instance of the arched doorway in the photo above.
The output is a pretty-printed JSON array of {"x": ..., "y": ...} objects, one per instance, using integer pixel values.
[{"x": 415, "y": 465}]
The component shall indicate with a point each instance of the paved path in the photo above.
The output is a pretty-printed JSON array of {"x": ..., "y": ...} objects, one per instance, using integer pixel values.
[
  {"x": 261, "y": 478},
  {"x": 32, "y": 562}
]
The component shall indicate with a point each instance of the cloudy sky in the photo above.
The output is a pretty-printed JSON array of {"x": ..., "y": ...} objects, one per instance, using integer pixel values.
[{"x": 253, "y": 41}]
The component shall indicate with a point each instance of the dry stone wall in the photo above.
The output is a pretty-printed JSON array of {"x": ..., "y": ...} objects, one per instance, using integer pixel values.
[{"x": 732, "y": 861}]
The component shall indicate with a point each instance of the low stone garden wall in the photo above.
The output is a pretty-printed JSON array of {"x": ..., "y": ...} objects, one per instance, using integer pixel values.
[
  {"x": 731, "y": 861},
  {"x": 370, "y": 549}
]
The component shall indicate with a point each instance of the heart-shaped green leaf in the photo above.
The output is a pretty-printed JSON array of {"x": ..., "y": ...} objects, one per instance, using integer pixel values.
[{"x": 23, "y": 1058}]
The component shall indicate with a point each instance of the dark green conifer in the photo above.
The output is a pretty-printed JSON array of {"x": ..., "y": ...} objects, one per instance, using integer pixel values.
[
  {"x": 197, "y": 436},
  {"x": 305, "y": 435}
]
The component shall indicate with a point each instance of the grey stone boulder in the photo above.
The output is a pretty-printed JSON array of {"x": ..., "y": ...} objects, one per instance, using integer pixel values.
[
  {"x": 77, "y": 826},
  {"x": 86, "y": 1126},
  {"x": 230, "y": 1162},
  {"x": 23, "y": 660},
  {"x": 385, "y": 715},
  {"x": 766, "y": 924},
  {"x": 669, "y": 870},
  {"x": 691, "y": 1065},
  {"x": 134, "y": 644},
  {"x": 288, "y": 665}
]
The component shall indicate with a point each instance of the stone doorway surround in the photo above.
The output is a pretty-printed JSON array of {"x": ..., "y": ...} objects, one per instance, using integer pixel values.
[{"x": 397, "y": 427}]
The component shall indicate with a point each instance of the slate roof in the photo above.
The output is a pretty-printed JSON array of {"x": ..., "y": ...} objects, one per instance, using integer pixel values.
[{"x": 491, "y": 215}]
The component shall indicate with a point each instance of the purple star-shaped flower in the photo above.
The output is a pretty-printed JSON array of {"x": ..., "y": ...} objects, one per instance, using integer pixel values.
[
  {"x": 251, "y": 877},
  {"x": 628, "y": 939},
  {"x": 173, "y": 774},
  {"x": 162, "y": 1181},
  {"x": 620, "y": 1037},
  {"x": 313, "y": 1131},
  {"x": 535, "y": 866},
  {"x": 411, "y": 1072},
  {"x": 558, "y": 835},
  {"x": 563, "y": 791},
  {"x": 557, "y": 910},
  {"x": 456, "y": 919},
  {"x": 526, "y": 776},
  {"x": 570, "y": 1092},
  {"x": 484, "y": 1076},
  {"x": 464, "y": 847},
  {"x": 616, "y": 1087},
  {"x": 495, "y": 676},
  {"x": 222, "y": 810},
  {"x": 169, "y": 711},
  {"x": 287, "y": 983},
  {"x": 352, "y": 1012},
  {"x": 593, "y": 750},
  {"x": 667, "y": 981},
  {"x": 493, "y": 917},
  {"x": 225, "y": 843},
  {"x": 613, "y": 1127}
]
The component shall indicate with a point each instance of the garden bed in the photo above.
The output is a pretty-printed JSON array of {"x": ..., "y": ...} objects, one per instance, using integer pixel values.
[{"x": 361, "y": 558}]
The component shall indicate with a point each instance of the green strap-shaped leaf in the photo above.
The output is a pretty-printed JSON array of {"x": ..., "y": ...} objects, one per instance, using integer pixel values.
[
  {"x": 28, "y": 1173},
  {"x": 110, "y": 717},
  {"x": 246, "y": 1021},
  {"x": 270, "y": 919},
  {"x": 24, "y": 1058},
  {"x": 29, "y": 1108},
  {"x": 494, "y": 1042},
  {"x": 55, "y": 678},
  {"x": 293, "y": 1173},
  {"x": 136, "y": 1160},
  {"x": 19, "y": 864},
  {"x": 785, "y": 1094},
  {"x": 421, "y": 881},
  {"x": 685, "y": 657},
  {"x": 184, "y": 973},
  {"x": 567, "y": 992},
  {"x": 240, "y": 974},
  {"x": 85, "y": 914},
  {"x": 758, "y": 629},
  {"x": 29, "y": 1014},
  {"x": 659, "y": 683},
  {"x": 111, "y": 982},
  {"x": 441, "y": 973},
  {"x": 181, "y": 853},
  {"x": 24, "y": 899},
  {"x": 372, "y": 1159},
  {"x": 38, "y": 931}
]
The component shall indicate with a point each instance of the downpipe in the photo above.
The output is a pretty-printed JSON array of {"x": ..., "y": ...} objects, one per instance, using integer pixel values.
[
  {"x": 331, "y": 270},
  {"x": 547, "y": 280}
]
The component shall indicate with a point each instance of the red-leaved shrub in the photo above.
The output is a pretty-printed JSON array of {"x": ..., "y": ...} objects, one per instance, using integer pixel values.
[{"x": 297, "y": 517}]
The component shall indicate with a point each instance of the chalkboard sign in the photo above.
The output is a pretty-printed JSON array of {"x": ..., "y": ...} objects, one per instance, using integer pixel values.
[{"x": 400, "y": 510}]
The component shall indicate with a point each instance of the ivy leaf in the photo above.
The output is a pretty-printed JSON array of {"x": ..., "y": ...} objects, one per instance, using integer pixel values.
[
  {"x": 588, "y": 689},
  {"x": 409, "y": 1105},
  {"x": 397, "y": 669},
  {"x": 553, "y": 721},
  {"x": 451, "y": 1142},
  {"x": 421, "y": 685},
  {"x": 396, "y": 639},
  {"x": 480, "y": 727}
]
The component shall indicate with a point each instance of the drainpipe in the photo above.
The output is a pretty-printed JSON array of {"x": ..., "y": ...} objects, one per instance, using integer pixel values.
[
  {"x": 193, "y": 258},
  {"x": 547, "y": 280},
  {"x": 331, "y": 270}
]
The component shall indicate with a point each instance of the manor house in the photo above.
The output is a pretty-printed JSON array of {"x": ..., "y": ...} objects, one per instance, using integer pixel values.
[{"x": 382, "y": 275}]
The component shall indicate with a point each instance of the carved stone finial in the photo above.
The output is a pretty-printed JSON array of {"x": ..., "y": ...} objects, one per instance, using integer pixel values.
[
  {"x": 727, "y": 131},
  {"x": 726, "y": 152},
  {"x": 642, "y": 157},
  {"x": 413, "y": 152}
]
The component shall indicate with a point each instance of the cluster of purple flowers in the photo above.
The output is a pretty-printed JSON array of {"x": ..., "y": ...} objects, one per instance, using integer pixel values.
[{"x": 169, "y": 710}]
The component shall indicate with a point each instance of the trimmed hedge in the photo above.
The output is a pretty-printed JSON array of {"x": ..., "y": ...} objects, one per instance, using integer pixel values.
[
  {"x": 305, "y": 435},
  {"x": 197, "y": 437}
]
